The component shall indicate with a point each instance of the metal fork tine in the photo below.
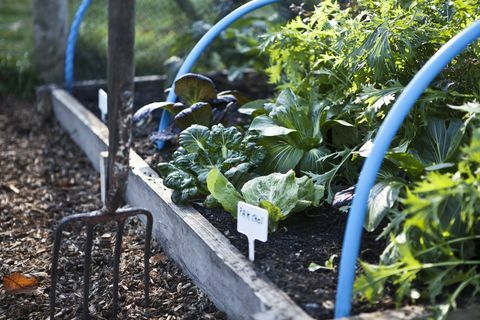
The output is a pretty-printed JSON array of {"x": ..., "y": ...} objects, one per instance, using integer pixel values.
[
  {"x": 55, "y": 258},
  {"x": 116, "y": 265},
  {"x": 148, "y": 237},
  {"x": 86, "y": 273}
]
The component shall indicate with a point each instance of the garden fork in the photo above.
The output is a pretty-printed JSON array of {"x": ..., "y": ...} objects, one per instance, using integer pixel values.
[{"x": 120, "y": 103}]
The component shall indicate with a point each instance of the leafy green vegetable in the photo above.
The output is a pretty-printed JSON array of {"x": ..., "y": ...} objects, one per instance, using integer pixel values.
[
  {"x": 280, "y": 194},
  {"x": 220, "y": 188},
  {"x": 201, "y": 149},
  {"x": 434, "y": 246},
  {"x": 295, "y": 132}
]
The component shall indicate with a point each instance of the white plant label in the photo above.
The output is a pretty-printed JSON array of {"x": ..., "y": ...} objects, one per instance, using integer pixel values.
[
  {"x": 103, "y": 104},
  {"x": 252, "y": 221},
  {"x": 103, "y": 175}
]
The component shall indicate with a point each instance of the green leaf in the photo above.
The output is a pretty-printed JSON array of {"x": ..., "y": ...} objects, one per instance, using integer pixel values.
[
  {"x": 178, "y": 180},
  {"x": 407, "y": 162},
  {"x": 309, "y": 194},
  {"x": 279, "y": 189},
  {"x": 268, "y": 128},
  {"x": 275, "y": 214},
  {"x": 194, "y": 138},
  {"x": 435, "y": 181},
  {"x": 225, "y": 138},
  {"x": 254, "y": 108},
  {"x": 283, "y": 155},
  {"x": 184, "y": 195},
  {"x": 164, "y": 169},
  {"x": 441, "y": 140},
  {"x": 222, "y": 190},
  {"x": 287, "y": 99},
  {"x": 382, "y": 197},
  {"x": 195, "y": 88},
  {"x": 311, "y": 160},
  {"x": 326, "y": 179}
]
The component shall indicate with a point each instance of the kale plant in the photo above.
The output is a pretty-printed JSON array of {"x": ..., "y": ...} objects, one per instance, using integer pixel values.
[{"x": 201, "y": 149}]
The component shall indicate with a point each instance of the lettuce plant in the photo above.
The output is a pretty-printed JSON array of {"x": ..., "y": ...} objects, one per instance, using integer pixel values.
[
  {"x": 201, "y": 149},
  {"x": 200, "y": 104},
  {"x": 280, "y": 194}
]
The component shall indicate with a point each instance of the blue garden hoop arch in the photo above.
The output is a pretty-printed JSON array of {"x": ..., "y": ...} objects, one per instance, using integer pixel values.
[
  {"x": 368, "y": 175},
  {"x": 72, "y": 41},
  {"x": 200, "y": 48}
]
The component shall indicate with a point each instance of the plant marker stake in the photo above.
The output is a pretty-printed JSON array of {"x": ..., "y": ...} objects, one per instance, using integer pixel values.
[
  {"x": 103, "y": 104},
  {"x": 252, "y": 221},
  {"x": 200, "y": 48},
  {"x": 121, "y": 31},
  {"x": 372, "y": 164}
]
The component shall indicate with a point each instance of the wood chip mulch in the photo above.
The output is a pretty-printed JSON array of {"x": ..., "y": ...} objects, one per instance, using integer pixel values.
[{"x": 43, "y": 177}]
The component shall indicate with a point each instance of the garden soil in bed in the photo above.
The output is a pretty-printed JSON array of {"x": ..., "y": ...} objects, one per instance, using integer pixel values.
[
  {"x": 313, "y": 236},
  {"x": 43, "y": 177}
]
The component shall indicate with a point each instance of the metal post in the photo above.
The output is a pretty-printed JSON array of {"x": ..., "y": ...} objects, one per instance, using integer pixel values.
[{"x": 121, "y": 38}]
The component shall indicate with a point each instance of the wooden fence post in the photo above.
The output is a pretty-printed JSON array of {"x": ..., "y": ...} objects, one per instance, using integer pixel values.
[{"x": 50, "y": 37}]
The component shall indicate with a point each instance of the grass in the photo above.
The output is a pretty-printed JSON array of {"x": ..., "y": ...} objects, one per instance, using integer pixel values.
[{"x": 16, "y": 42}]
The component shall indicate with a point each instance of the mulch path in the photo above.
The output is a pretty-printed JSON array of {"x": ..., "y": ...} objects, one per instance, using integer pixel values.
[{"x": 43, "y": 177}]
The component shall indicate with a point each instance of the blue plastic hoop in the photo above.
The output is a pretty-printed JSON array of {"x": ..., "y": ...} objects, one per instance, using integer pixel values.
[
  {"x": 368, "y": 175},
  {"x": 202, "y": 45},
  {"x": 71, "y": 42}
]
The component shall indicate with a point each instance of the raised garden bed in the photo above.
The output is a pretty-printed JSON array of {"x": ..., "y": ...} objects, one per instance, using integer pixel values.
[{"x": 235, "y": 285}]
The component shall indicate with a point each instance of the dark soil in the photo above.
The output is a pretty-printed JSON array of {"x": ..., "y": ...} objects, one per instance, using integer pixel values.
[
  {"x": 43, "y": 177},
  {"x": 313, "y": 236}
]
